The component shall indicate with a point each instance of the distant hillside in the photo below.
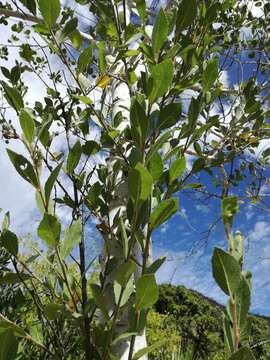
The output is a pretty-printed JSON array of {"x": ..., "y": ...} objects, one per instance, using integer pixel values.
[
  {"x": 195, "y": 321},
  {"x": 215, "y": 303}
]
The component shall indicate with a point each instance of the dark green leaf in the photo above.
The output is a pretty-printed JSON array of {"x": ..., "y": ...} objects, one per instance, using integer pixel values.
[
  {"x": 13, "y": 278},
  {"x": 100, "y": 300},
  {"x": 9, "y": 241},
  {"x": 139, "y": 123},
  {"x": 74, "y": 157},
  {"x": 49, "y": 230},
  {"x": 186, "y": 14},
  {"x": 94, "y": 193},
  {"x": 90, "y": 148},
  {"x": 163, "y": 212},
  {"x": 8, "y": 344},
  {"x": 85, "y": 58},
  {"x": 177, "y": 168},
  {"x": 210, "y": 74},
  {"x": 13, "y": 97},
  {"x": 73, "y": 236},
  {"x": 139, "y": 183},
  {"x": 243, "y": 354},
  {"x": 23, "y": 167},
  {"x": 157, "y": 145},
  {"x": 162, "y": 76},
  {"x": 226, "y": 271},
  {"x": 27, "y": 124},
  {"x": 193, "y": 113},
  {"x": 50, "y": 10},
  {"x": 155, "y": 265},
  {"x": 169, "y": 115},
  {"x": 146, "y": 292},
  {"x": 30, "y": 5},
  {"x": 160, "y": 32},
  {"x": 51, "y": 181},
  {"x": 69, "y": 28}
]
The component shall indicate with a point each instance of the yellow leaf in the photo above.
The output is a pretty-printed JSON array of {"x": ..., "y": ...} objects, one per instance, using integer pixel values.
[{"x": 103, "y": 81}]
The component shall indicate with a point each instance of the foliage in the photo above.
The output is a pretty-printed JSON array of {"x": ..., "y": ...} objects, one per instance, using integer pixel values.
[{"x": 146, "y": 131}]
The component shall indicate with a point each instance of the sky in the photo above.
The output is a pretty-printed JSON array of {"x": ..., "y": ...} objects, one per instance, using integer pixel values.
[{"x": 184, "y": 239}]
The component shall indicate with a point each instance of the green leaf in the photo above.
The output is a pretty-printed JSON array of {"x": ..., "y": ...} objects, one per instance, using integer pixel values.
[
  {"x": 160, "y": 32},
  {"x": 30, "y": 5},
  {"x": 157, "y": 145},
  {"x": 9, "y": 241},
  {"x": 76, "y": 39},
  {"x": 141, "y": 7},
  {"x": 139, "y": 183},
  {"x": 73, "y": 235},
  {"x": 100, "y": 300},
  {"x": 149, "y": 349},
  {"x": 155, "y": 265},
  {"x": 23, "y": 167},
  {"x": 177, "y": 168},
  {"x": 169, "y": 115},
  {"x": 94, "y": 193},
  {"x": 228, "y": 336},
  {"x": 27, "y": 124},
  {"x": 50, "y": 10},
  {"x": 49, "y": 230},
  {"x": 6, "y": 221},
  {"x": 74, "y": 157},
  {"x": 68, "y": 29},
  {"x": 101, "y": 57},
  {"x": 51, "y": 181},
  {"x": 14, "y": 278},
  {"x": 124, "y": 272},
  {"x": 85, "y": 58},
  {"x": 229, "y": 208},
  {"x": 162, "y": 77},
  {"x": 156, "y": 166},
  {"x": 226, "y": 271},
  {"x": 193, "y": 113},
  {"x": 8, "y": 344},
  {"x": 243, "y": 354},
  {"x": 123, "y": 336},
  {"x": 13, "y": 97},
  {"x": 84, "y": 99},
  {"x": 126, "y": 292},
  {"x": 242, "y": 301},
  {"x": 90, "y": 148},
  {"x": 210, "y": 74},
  {"x": 163, "y": 212},
  {"x": 139, "y": 123},
  {"x": 186, "y": 14},
  {"x": 146, "y": 292}
]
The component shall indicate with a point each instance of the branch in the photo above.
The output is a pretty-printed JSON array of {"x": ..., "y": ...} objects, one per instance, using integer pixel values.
[{"x": 35, "y": 19}]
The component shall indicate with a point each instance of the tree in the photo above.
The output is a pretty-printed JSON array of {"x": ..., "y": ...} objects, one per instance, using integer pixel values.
[{"x": 145, "y": 129}]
